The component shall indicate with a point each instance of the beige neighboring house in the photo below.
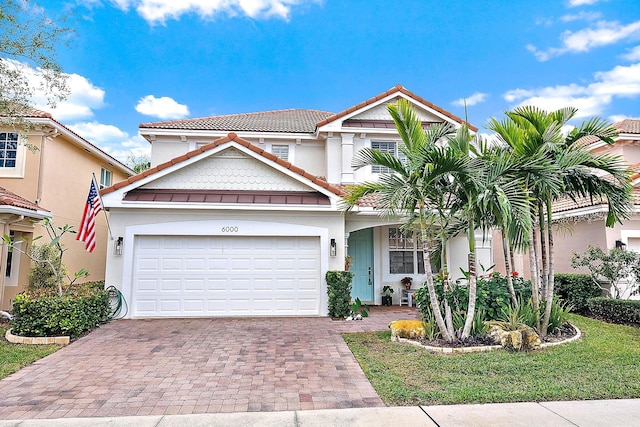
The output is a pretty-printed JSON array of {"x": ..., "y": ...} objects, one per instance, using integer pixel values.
[
  {"x": 582, "y": 223},
  {"x": 46, "y": 173},
  {"x": 241, "y": 215}
]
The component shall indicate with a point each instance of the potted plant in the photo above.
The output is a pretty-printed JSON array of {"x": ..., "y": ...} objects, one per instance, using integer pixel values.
[
  {"x": 387, "y": 299},
  {"x": 406, "y": 281}
]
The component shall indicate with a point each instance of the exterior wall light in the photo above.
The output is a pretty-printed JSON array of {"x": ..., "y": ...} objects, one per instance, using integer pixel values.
[
  {"x": 117, "y": 246},
  {"x": 333, "y": 249}
]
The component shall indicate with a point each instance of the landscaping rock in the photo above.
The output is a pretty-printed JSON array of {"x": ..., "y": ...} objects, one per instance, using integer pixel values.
[
  {"x": 411, "y": 329},
  {"x": 525, "y": 338}
]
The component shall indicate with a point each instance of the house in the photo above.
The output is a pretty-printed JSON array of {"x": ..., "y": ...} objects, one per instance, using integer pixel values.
[
  {"x": 46, "y": 172},
  {"x": 581, "y": 223},
  {"x": 241, "y": 214}
]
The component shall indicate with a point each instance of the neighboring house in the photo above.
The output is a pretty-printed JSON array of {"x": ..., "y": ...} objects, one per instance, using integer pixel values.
[
  {"x": 46, "y": 172},
  {"x": 241, "y": 214},
  {"x": 582, "y": 223}
]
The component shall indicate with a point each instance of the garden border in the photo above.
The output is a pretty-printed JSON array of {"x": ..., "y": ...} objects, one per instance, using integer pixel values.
[
  {"x": 17, "y": 339},
  {"x": 486, "y": 348}
]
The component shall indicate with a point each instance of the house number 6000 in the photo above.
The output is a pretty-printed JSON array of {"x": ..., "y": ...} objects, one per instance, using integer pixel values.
[{"x": 229, "y": 229}]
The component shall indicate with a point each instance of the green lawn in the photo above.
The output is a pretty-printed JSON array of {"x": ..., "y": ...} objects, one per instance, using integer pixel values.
[
  {"x": 604, "y": 364},
  {"x": 16, "y": 356}
]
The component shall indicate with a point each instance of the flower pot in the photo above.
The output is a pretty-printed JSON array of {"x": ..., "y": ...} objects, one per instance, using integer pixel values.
[
  {"x": 387, "y": 300},
  {"x": 408, "y": 286}
]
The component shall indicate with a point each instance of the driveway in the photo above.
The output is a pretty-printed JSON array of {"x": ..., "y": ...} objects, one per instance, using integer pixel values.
[{"x": 185, "y": 366}]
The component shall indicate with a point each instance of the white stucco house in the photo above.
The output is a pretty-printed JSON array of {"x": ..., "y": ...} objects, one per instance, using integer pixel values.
[{"x": 240, "y": 215}]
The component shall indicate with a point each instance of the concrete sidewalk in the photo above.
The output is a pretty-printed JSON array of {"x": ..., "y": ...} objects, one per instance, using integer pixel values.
[{"x": 610, "y": 413}]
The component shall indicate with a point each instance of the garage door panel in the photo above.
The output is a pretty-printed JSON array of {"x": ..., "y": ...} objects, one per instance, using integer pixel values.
[{"x": 226, "y": 276}]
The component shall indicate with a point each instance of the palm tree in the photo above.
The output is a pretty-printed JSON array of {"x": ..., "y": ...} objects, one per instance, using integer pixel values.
[
  {"x": 411, "y": 190},
  {"x": 533, "y": 133}
]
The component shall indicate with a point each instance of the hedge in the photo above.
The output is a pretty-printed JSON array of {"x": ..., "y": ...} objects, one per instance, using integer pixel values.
[
  {"x": 576, "y": 289},
  {"x": 615, "y": 310},
  {"x": 339, "y": 292},
  {"x": 38, "y": 314}
]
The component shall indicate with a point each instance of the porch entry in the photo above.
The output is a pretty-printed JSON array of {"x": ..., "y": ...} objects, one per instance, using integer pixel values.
[{"x": 361, "y": 252}]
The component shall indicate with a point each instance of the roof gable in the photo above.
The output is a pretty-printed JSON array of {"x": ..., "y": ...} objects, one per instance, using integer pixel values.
[
  {"x": 224, "y": 149},
  {"x": 228, "y": 169},
  {"x": 385, "y": 97}
]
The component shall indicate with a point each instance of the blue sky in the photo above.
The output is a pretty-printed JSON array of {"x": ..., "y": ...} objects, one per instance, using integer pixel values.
[{"x": 136, "y": 61}]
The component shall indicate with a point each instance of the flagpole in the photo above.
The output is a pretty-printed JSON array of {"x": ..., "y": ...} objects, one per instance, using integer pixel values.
[{"x": 95, "y": 182}]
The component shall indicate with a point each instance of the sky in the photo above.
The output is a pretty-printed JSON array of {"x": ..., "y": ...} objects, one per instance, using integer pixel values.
[{"x": 139, "y": 61}]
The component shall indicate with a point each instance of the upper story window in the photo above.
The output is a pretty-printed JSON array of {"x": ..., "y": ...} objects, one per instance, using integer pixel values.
[
  {"x": 281, "y": 151},
  {"x": 390, "y": 147},
  {"x": 105, "y": 178},
  {"x": 8, "y": 149}
]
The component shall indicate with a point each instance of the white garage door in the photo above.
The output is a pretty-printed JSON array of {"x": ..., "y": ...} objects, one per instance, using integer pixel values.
[{"x": 177, "y": 276}]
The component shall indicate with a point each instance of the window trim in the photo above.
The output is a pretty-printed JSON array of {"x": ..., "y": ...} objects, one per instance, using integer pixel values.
[
  {"x": 103, "y": 174},
  {"x": 16, "y": 171}
]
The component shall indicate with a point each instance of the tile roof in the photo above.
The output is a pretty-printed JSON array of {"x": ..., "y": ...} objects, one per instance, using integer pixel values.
[
  {"x": 395, "y": 89},
  {"x": 229, "y": 196},
  {"x": 7, "y": 198},
  {"x": 628, "y": 126},
  {"x": 293, "y": 120},
  {"x": 230, "y": 137}
]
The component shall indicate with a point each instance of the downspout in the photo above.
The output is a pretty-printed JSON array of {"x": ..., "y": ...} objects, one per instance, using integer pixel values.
[{"x": 3, "y": 257}]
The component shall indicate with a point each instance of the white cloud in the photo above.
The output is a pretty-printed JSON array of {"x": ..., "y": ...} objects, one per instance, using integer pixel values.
[
  {"x": 620, "y": 117},
  {"x": 632, "y": 55},
  {"x": 113, "y": 140},
  {"x": 591, "y": 99},
  {"x": 581, "y": 16},
  {"x": 82, "y": 99},
  {"x": 602, "y": 34},
  {"x": 162, "y": 108},
  {"x": 575, "y": 3},
  {"x": 159, "y": 11},
  {"x": 474, "y": 99}
]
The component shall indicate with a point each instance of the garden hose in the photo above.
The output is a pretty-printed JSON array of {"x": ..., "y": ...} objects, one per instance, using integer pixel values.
[{"x": 117, "y": 303}]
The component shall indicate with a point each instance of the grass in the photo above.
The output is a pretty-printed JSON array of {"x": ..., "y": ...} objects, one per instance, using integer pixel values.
[
  {"x": 16, "y": 356},
  {"x": 603, "y": 365}
]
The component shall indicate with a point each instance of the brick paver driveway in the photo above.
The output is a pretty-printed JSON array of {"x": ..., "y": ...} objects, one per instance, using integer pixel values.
[{"x": 183, "y": 366}]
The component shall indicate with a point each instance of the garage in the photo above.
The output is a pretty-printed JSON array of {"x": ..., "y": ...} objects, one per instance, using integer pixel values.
[{"x": 197, "y": 276}]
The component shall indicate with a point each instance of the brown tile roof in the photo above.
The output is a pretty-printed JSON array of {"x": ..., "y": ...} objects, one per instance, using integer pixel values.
[
  {"x": 230, "y": 137},
  {"x": 628, "y": 126},
  {"x": 293, "y": 120},
  {"x": 395, "y": 89},
  {"x": 7, "y": 198},
  {"x": 229, "y": 196}
]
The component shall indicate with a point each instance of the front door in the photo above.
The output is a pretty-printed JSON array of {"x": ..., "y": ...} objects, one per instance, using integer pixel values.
[{"x": 361, "y": 253}]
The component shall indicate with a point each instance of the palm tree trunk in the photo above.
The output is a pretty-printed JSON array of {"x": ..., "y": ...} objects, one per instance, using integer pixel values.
[
  {"x": 448, "y": 317},
  {"x": 435, "y": 306},
  {"x": 506, "y": 250},
  {"x": 535, "y": 277},
  {"x": 543, "y": 249},
  {"x": 550, "y": 284},
  {"x": 471, "y": 308}
]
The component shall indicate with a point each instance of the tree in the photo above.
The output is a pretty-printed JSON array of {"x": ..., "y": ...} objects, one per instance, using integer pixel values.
[
  {"x": 619, "y": 268},
  {"x": 412, "y": 189},
  {"x": 28, "y": 65},
  {"x": 532, "y": 133},
  {"x": 138, "y": 163}
]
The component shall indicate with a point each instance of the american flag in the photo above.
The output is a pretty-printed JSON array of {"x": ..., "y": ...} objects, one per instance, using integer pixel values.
[{"x": 87, "y": 233}]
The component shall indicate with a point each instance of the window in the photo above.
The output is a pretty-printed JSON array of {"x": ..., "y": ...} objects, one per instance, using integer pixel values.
[
  {"x": 7, "y": 272},
  {"x": 405, "y": 253},
  {"x": 281, "y": 151},
  {"x": 8, "y": 149},
  {"x": 105, "y": 178},
  {"x": 386, "y": 147}
]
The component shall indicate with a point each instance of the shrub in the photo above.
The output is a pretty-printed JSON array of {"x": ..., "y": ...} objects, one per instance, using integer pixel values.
[
  {"x": 339, "y": 291},
  {"x": 41, "y": 275},
  {"x": 576, "y": 289},
  {"x": 45, "y": 313},
  {"x": 492, "y": 295},
  {"x": 615, "y": 310}
]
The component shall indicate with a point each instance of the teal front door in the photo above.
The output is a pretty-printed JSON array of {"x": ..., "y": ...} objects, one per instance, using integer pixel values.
[{"x": 361, "y": 253}]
